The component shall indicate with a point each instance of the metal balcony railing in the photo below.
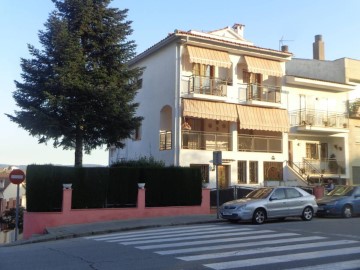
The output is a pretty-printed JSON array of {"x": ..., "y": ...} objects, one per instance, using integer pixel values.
[
  {"x": 207, "y": 85},
  {"x": 319, "y": 118},
  {"x": 268, "y": 144},
  {"x": 206, "y": 140},
  {"x": 261, "y": 92}
]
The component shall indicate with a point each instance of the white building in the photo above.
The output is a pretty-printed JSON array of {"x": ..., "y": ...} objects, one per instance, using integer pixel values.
[
  {"x": 216, "y": 91},
  {"x": 323, "y": 142}
]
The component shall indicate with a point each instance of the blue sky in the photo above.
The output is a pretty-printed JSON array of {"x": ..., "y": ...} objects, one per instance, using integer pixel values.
[{"x": 266, "y": 23}]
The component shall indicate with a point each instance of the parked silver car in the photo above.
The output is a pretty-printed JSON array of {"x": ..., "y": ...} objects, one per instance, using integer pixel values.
[{"x": 271, "y": 202}]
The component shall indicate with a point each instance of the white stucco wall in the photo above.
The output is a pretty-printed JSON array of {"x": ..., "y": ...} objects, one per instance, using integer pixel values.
[
  {"x": 332, "y": 71},
  {"x": 158, "y": 90}
]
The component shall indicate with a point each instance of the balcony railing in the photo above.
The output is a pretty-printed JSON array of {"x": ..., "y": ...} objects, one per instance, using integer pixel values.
[
  {"x": 269, "y": 144},
  {"x": 206, "y": 140},
  {"x": 207, "y": 85},
  {"x": 323, "y": 166},
  {"x": 260, "y": 92},
  {"x": 165, "y": 140},
  {"x": 318, "y": 118}
]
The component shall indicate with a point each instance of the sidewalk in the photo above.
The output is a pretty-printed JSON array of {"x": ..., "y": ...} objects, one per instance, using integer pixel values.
[{"x": 80, "y": 230}]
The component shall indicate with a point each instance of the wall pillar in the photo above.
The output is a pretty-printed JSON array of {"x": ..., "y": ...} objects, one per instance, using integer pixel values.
[
  {"x": 141, "y": 198},
  {"x": 67, "y": 198},
  {"x": 205, "y": 201}
]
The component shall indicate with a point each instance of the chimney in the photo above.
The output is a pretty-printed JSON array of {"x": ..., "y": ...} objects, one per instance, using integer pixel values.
[
  {"x": 239, "y": 29},
  {"x": 318, "y": 48},
  {"x": 284, "y": 48}
]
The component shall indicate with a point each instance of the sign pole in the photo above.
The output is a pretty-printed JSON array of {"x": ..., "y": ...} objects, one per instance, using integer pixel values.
[
  {"x": 17, "y": 213},
  {"x": 217, "y": 192},
  {"x": 217, "y": 160},
  {"x": 16, "y": 177}
]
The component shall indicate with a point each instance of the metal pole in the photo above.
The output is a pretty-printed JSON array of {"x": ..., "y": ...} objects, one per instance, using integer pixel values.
[
  {"x": 17, "y": 213},
  {"x": 217, "y": 192}
]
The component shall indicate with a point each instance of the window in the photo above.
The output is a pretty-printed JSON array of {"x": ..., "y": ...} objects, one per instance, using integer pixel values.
[
  {"x": 165, "y": 140},
  {"x": 292, "y": 193},
  {"x": 242, "y": 171},
  {"x": 137, "y": 134},
  {"x": 324, "y": 151},
  {"x": 254, "y": 179},
  {"x": 204, "y": 70},
  {"x": 312, "y": 151},
  {"x": 204, "y": 168},
  {"x": 273, "y": 171},
  {"x": 279, "y": 194}
]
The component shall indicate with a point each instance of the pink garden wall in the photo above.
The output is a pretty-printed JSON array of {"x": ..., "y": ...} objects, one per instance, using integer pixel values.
[{"x": 37, "y": 222}]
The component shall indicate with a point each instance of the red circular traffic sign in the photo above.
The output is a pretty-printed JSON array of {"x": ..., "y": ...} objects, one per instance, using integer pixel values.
[{"x": 17, "y": 176}]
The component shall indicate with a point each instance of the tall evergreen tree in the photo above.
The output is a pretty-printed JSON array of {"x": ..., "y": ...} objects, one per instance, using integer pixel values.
[{"x": 78, "y": 90}]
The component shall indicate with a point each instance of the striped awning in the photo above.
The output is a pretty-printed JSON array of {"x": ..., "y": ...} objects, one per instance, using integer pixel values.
[
  {"x": 210, "y": 110},
  {"x": 259, "y": 118},
  {"x": 263, "y": 66},
  {"x": 209, "y": 57}
]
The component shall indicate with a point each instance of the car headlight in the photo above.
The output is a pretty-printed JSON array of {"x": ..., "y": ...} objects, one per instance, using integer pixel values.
[
  {"x": 332, "y": 203},
  {"x": 240, "y": 207}
]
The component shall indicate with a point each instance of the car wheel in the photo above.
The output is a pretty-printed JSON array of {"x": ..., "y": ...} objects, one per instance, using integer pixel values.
[
  {"x": 347, "y": 211},
  {"x": 307, "y": 214},
  {"x": 259, "y": 216}
]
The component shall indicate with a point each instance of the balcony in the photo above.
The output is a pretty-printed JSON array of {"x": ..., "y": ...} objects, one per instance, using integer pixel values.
[
  {"x": 260, "y": 94},
  {"x": 206, "y": 86},
  {"x": 199, "y": 140},
  {"x": 267, "y": 144},
  {"x": 319, "y": 120}
]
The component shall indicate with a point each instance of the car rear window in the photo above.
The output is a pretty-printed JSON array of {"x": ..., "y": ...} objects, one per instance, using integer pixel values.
[{"x": 293, "y": 193}]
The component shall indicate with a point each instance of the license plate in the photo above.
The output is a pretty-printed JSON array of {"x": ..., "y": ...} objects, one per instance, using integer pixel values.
[{"x": 226, "y": 213}]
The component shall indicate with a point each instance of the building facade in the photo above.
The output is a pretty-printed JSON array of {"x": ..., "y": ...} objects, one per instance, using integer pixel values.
[
  {"x": 324, "y": 135},
  {"x": 216, "y": 91},
  {"x": 275, "y": 119}
]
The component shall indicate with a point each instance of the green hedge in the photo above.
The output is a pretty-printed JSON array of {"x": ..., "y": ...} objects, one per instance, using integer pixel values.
[{"x": 103, "y": 187}]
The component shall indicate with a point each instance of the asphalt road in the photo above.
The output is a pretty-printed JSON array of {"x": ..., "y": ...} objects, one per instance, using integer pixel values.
[{"x": 323, "y": 243}]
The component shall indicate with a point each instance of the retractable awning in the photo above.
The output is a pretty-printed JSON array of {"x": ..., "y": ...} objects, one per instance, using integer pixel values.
[
  {"x": 209, "y": 57},
  {"x": 263, "y": 66},
  {"x": 259, "y": 118},
  {"x": 209, "y": 110}
]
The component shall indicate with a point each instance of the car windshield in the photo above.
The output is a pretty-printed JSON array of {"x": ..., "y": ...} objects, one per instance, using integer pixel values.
[
  {"x": 341, "y": 191},
  {"x": 260, "y": 193}
]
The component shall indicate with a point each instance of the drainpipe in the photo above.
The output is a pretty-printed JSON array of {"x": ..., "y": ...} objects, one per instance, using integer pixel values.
[{"x": 177, "y": 112}]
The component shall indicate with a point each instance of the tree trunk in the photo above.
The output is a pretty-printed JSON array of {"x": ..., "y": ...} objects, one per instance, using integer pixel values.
[{"x": 78, "y": 149}]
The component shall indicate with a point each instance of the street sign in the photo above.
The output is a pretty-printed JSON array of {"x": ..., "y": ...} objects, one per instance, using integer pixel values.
[
  {"x": 17, "y": 176},
  {"x": 217, "y": 157}
]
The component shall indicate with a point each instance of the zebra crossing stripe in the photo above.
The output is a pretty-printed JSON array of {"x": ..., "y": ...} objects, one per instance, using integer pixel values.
[
  {"x": 223, "y": 240},
  {"x": 240, "y": 245},
  {"x": 161, "y": 240},
  {"x": 345, "y": 265},
  {"x": 164, "y": 233},
  {"x": 151, "y": 232},
  {"x": 281, "y": 258},
  {"x": 172, "y": 235},
  {"x": 265, "y": 250}
]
